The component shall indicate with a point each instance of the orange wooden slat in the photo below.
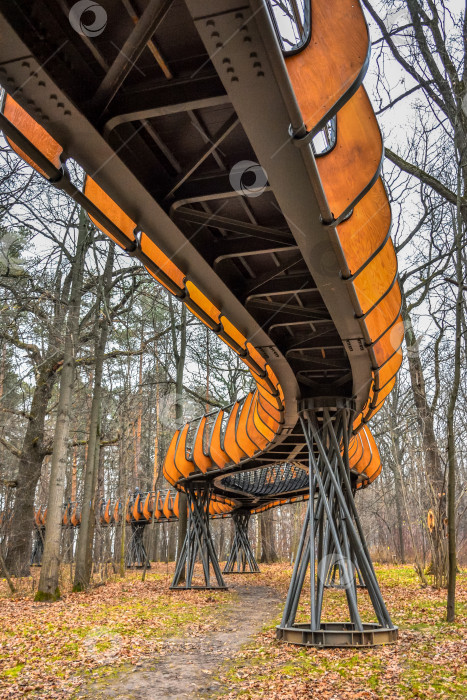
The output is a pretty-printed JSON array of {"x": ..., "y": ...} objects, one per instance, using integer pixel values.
[
  {"x": 167, "y": 507},
  {"x": 148, "y": 502},
  {"x": 218, "y": 455},
  {"x": 197, "y": 296},
  {"x": 202, "y": 461},
  {"x": 376, "y": 277},
  {"x": 162, "y": 261},
  {"x": 336, "y": 57},
  {"x": 34, "y": 132},
  {"x": 231, "y": 446},
  {"x": 252, "y": 431},
  {"x": 367, "y": 228},
  {"x": 391, "y": 341},
  {"x": 354, "y": 162},
  {"x": 112, "y": 211},
  {"x": 383, "y": 315},
  {"x": 170, "y": 471},
  {"x": 389, "y": 369},
  {"x": 262, "y": 426},
  {"x": 243, "y": 439},
  {"x": 272, "y": 410},
  {"x": 184, "y": 465},
  {"x": 135, "y": 511}
]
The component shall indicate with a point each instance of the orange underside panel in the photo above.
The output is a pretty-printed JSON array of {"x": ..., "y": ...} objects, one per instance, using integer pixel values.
[
  {"x": 384, "y": 314},
  {"x": 33, "y": 131},
  {"x": 389, "y": 343},
  {"x": 233, "y": 332},
  {"x": 197, "y": 296},
  {"x": 365, "y": 230},
  {"x": 356, "y": 157},
  {"x": 388, "y": 370},
  {"x": 325, "y": 70},
  {"x": 110, "y": 209},
  {"x": 256, "y": 356},
  {"x": 376, "y": 277},
  {"x": 162, "y": 261}
]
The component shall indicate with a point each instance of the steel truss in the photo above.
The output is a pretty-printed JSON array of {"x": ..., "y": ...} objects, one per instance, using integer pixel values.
[
  {"x": 137, "y": 555},
  {"x": 198, "y": 542},
  {"x": 241, "y": 555},
  {"x": 337, "y": 544}
]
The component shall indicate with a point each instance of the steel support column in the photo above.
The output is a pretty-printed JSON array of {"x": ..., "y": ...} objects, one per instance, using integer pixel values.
[
  {"x": 332, "y": 539},
  {"x": 198, "y": 543},
  {"x": 241, "y": 558}
]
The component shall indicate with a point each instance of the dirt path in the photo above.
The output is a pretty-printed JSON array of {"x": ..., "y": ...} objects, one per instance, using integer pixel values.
[{"x": 189, "y": 670}]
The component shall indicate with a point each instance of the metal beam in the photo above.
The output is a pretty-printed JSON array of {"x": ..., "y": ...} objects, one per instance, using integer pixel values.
[
  {"x": 244, "y": 247},
  {"x": 130, "y": 52},
  {"x": 161, "y": 62},
  {"x": 315, "y": 313},
  {"x": 168, "y": 97},
  {"x": 212, "y": 145},
  {"x": 243, "y": 228}
]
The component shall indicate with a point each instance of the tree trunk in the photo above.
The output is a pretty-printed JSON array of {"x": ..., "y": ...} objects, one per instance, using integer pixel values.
[
  {"x": 452, "y": 557},
  {"x": 48, "y": 583},
  {"x": 180, "y": 356},
  {"x": 432, "y": 457},
  {"x": 268, "y": 550},
  {"x": 86, "y": 530},
  {"x": 29, "y": 471}
]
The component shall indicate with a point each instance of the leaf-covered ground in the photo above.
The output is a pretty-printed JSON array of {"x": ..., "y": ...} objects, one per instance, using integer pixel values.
[
  {"x": 429, "y": 660},
  {"x": 54, "y": 650},
  {"x": 50, "y": 650}
]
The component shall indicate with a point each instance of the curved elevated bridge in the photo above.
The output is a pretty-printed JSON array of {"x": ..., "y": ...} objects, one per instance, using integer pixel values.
[{"x": 231, "y": 147}]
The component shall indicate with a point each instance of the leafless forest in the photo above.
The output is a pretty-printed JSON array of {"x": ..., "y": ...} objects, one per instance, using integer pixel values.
[{"x": 141, "y": 366}]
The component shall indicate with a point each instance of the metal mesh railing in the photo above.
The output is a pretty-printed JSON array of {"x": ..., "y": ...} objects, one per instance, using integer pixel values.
[{"x": 269, "y": 481}]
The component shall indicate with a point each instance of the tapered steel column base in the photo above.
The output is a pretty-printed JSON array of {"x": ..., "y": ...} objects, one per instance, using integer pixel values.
[
  {"x": 136, "y": 557},
  {"x": 332, "y": 549},
  {"x": 338, "y": 634},
  {"x": 241, "y": 558},
  {"x": 198, "y": 544}
]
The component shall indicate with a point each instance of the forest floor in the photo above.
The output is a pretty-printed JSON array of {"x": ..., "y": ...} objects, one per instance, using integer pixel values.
[{"x": 130, "y": 640}]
